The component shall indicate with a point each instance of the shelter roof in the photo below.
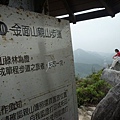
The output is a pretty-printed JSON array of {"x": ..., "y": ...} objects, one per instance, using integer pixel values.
[{"x": 62, "y": 7}]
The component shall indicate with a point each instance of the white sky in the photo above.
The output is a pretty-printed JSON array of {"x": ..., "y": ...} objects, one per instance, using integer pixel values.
[{"x": 100, "y": 35}]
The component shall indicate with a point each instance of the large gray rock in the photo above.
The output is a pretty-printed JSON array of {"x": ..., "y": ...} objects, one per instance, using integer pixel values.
[
  {"x": 117, "y": 66},
  {"x": 111, "y": 76},
  {"x": 109, "y": 107}
]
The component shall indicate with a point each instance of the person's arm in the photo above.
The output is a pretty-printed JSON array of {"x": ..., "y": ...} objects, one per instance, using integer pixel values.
[{"x": 115, "y": 55}]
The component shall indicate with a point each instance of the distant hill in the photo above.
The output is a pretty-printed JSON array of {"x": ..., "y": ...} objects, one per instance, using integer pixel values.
[
  {"x": 87, "y": 57},
  {"x": 87, "y": 62},
  {"x": 83, "y": 70},
  {"x": 81, "y": 56}
]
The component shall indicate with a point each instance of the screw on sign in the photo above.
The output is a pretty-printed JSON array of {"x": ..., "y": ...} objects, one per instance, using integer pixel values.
[{"x": 3, "y": 28}]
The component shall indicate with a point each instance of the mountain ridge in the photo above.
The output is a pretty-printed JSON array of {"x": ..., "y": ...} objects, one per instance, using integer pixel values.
[
  {"x": 88, "y": 57},
  {"x": 87, "y": 62}
]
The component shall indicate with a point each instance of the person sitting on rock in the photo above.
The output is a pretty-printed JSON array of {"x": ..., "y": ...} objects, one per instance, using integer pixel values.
[{"x": 116, "y": 58}]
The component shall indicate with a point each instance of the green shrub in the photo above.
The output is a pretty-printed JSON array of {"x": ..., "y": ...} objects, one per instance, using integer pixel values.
[{"x": 91, "y": 90}]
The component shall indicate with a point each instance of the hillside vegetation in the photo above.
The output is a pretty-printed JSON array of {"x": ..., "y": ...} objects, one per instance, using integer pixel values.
[{"x": 91, "y": 89}]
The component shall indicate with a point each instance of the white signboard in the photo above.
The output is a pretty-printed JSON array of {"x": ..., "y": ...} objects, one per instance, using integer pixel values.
[{"x": 36, "y": 67}]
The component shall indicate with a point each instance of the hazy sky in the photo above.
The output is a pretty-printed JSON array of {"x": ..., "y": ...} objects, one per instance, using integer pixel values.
[{"x": 100, "y": 35}]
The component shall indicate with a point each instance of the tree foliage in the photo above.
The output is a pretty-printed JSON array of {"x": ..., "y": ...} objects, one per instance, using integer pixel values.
[{"x": 91, "y": 90}]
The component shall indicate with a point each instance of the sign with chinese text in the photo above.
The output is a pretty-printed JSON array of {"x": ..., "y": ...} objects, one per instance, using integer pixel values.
[{"x": 36, "y": 67}]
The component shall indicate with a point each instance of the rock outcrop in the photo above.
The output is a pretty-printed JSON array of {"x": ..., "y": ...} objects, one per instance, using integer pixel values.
[
  {"x": 111, "y": 76},
  {"x": 117, "y": 66},
  {"x": 109, "y": 106}
]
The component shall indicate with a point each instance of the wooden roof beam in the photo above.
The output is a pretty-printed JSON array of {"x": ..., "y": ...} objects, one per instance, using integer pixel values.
[
  {"x": 108, "y": 7},
  {"x": 90, "y": 15},
  {"x": 72, "y": 17}
]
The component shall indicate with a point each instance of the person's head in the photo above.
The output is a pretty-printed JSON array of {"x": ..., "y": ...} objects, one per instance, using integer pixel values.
[{"x": 116, "y": 50}]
